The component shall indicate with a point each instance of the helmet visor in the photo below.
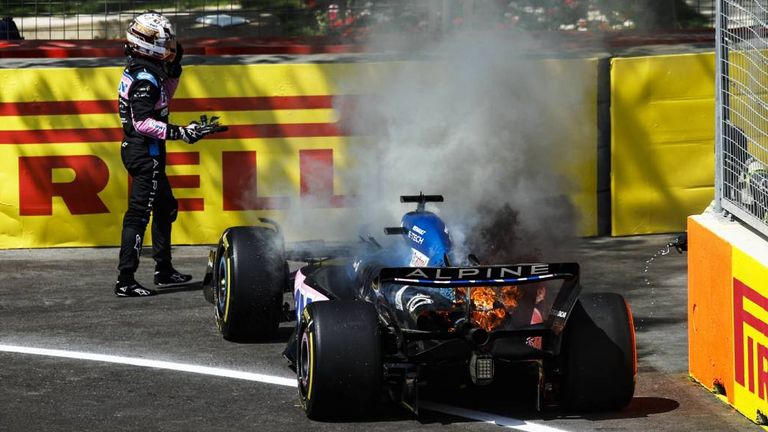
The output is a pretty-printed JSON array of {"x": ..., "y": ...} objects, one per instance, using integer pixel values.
[{"x": 170, "y": 49}]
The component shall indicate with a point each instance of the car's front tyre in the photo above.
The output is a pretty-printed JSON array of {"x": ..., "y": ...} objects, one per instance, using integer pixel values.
[{"x": 248, "y": 282}]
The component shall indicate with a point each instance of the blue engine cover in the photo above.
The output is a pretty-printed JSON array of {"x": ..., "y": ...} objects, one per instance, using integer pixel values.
[
  {"x": 428, "y": 236},
  {"x": 426, "y": 243}
]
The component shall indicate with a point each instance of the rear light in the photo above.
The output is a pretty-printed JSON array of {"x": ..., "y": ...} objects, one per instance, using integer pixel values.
[{"x": 481, "y": 368}]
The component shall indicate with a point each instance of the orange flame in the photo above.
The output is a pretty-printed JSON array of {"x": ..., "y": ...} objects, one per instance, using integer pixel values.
[
  {"x": 509, "y": 295},
  {"x": 483, "y": 298},
  {"x": 491, "y": 306}
]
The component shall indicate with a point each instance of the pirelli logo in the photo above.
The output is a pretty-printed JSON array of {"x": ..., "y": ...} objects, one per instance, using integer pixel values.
[{"x": 750, "y": 313}]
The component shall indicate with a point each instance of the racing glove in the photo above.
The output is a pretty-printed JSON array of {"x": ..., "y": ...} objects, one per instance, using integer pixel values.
[
  {"x": 190, "y": 133},
  {"x": 195, "y": 131}
]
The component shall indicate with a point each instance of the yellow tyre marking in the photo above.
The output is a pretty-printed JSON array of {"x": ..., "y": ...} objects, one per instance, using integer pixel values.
[
  {"x": 229, "y": 289},
  {"x": 311, "y": 364}
]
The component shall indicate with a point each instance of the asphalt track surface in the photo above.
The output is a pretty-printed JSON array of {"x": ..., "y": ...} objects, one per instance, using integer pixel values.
[{"x": 75, "y": 357}]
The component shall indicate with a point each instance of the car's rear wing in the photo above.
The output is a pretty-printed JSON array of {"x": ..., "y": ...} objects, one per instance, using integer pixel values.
[
  {"x": 495, "y": 275},
  {"x": 499, "y": 276}
]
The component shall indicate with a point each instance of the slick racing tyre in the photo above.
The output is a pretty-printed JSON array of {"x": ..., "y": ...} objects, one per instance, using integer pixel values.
[
  {"x": 249, "y": 278},
  {"x": 339, "y": 366},
  {"x": 599, "y": 355}
]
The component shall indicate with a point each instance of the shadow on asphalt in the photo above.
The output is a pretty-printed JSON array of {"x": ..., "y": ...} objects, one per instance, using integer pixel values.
[
  {"x": 282, "y": 335},
  {"x": 194, "y": 286},
  {"x": 639, "y": 407}
]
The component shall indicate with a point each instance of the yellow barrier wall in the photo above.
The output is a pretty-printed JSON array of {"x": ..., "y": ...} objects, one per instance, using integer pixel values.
[
  {"x": 728, "y": 311},
  {"x": 62, "y": 182},
  {"x": 662, "y": 141}
]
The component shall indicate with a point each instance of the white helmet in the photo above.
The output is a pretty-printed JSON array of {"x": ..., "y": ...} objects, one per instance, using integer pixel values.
[{"x": 151, "y": 35}]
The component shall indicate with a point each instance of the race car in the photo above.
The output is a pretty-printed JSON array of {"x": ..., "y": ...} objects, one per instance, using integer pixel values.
[{"x": 376, "y": 320}]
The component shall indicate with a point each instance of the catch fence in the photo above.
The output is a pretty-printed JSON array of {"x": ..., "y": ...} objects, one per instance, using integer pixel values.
[
  {"x": 107, "y": 19},
  {"x": 741, "y": 137}
]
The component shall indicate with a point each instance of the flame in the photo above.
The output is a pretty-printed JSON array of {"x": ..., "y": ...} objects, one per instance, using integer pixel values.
[
  {"x": 509, "y": 295},
  {"x": 483, "y": 298},
  {"x": 491, "y": 306},
  {"x": 461, "y": 295}
]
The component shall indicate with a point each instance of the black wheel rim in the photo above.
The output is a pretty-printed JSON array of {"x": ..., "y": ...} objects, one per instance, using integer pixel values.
[{"x": 221, "y": 286}]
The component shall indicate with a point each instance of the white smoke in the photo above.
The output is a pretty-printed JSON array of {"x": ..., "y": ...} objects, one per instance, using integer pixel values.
[{"x": 476, "y": 119}]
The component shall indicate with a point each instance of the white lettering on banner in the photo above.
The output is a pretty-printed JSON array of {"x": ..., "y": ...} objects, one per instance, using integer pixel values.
[
  {"x": 448, "y": 273},
  {"x": 417, "y": 273},
  {"x": 506, "y": 271},
  {"x": 539, "y": 269},
  {"x": 468, "y": 272}
]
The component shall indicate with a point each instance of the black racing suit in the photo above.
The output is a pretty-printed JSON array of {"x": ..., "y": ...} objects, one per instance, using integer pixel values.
[{"x": 145, "y": 91}]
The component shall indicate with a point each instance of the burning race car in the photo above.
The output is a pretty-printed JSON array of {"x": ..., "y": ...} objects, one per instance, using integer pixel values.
[{"x": 377, "y": 321}]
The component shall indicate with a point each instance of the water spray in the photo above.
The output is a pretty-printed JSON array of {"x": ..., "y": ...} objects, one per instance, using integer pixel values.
[{"x": 680, "y": 244}]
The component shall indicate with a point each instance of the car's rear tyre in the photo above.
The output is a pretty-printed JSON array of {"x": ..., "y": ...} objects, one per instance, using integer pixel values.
[
  {"x": 339, "y": 366},
  {"x": 599, "y": 355},
  {"x": 249, "y": 278}
]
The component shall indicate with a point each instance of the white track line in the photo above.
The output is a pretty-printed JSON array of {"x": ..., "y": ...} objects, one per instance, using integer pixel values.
[
  {"x": 506, "y": 422},
  {"x": 134, "y": 361}
]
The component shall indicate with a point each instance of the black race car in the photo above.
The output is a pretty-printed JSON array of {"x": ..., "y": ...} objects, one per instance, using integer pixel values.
[{"x": 377, "y": 321}]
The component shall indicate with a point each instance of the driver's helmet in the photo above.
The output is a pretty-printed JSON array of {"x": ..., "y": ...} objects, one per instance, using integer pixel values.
[{"x": 150, "y": 35}]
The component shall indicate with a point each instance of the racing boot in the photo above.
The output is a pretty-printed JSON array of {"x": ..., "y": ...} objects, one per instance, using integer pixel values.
[
  {"x": 128, "y": 287},
  {"x": 170, "y": 277}
]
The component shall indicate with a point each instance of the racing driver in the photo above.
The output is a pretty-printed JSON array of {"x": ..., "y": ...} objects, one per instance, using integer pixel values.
[{"x": 146, "y": 88}]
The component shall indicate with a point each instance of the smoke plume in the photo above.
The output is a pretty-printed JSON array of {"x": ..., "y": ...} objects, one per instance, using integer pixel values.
[{"x": 479, "y": 120}]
